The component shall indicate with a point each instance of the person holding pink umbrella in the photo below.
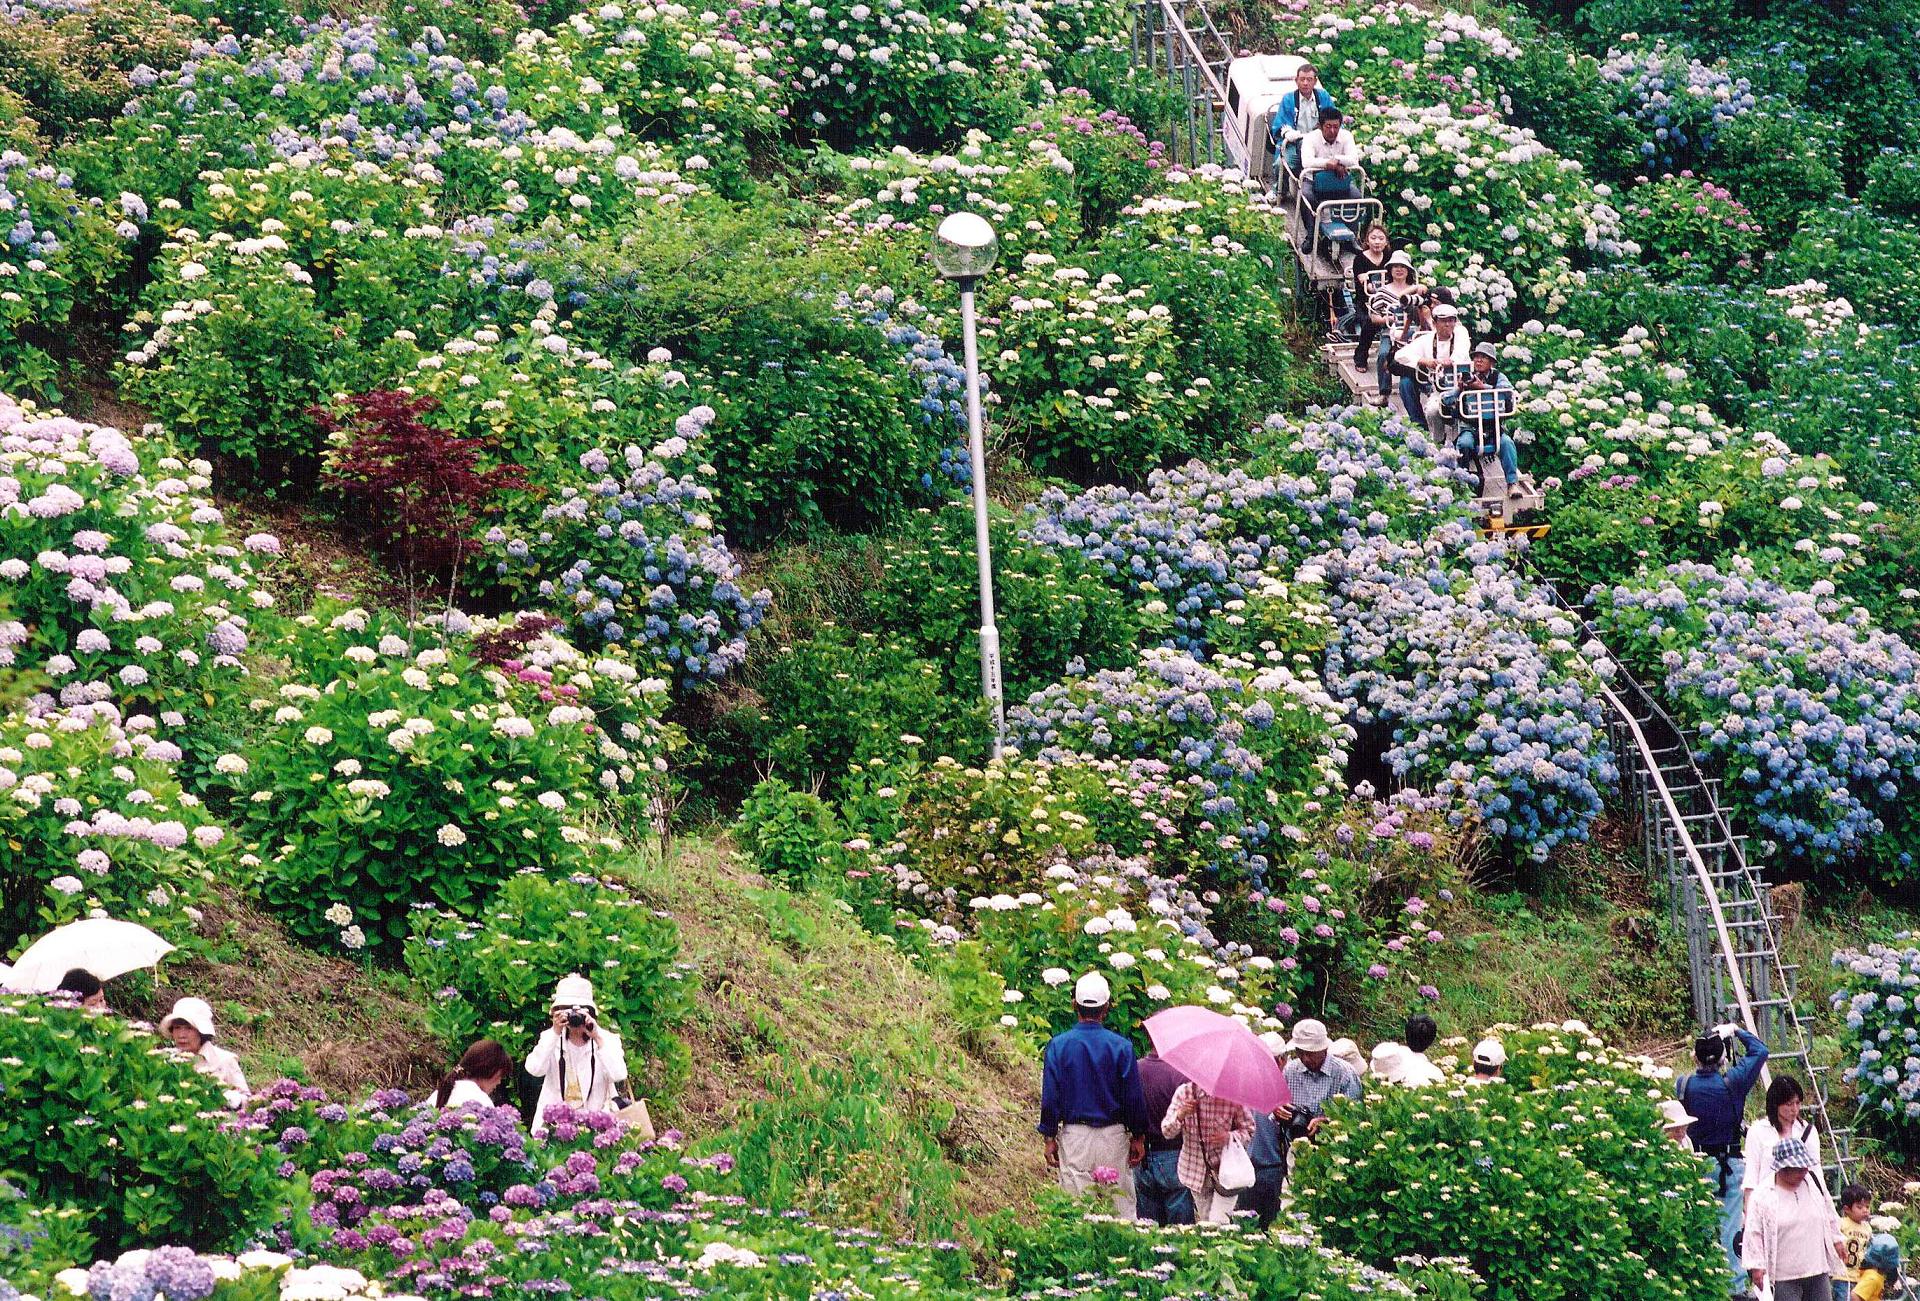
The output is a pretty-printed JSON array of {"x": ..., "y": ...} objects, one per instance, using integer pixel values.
[
  {"x": 1204, "y": 1125},
  {"x": 1232, "y": 1076}
]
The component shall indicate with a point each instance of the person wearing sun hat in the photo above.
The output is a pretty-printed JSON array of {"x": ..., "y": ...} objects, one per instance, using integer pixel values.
[
  {"x": 1382, "y": 306},
  {"x": 578, "y": 1061},
  {"x": 1313, "y": 1076},
  {"x": 1675, "y": 1122},
  {"x": 190, "y": 1026},
  {"x": 1481, "y": 434},
  {"x": 1268, "y": 1150},
  {"x": 1093, "y": 1112},
  {"x": 1792, "y": 1234}
]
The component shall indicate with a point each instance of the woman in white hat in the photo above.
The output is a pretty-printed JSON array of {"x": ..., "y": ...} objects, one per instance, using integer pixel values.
[
  {"x": 1675, "y": 1121},
  {"x": 578, "y": 1061},
  {"x": 190, "y": 1026}
]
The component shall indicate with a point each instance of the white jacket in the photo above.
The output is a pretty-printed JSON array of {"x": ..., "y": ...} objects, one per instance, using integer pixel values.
[
  {"x": 1426, "y": 346},
  {"x": 1417, "y": 1071},
  {"x": 605, "y": 1067},
  {"x": 215, "y": 1061}
]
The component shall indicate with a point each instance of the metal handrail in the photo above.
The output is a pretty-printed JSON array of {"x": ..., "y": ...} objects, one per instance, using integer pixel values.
[
  {"x": 1185, "y": 58},
  {"x": 1709, "y": 888}
]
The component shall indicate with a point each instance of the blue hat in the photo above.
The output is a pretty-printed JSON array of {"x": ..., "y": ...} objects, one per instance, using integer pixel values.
[
  {"x": 1883, "y": 1254},
  {"x": 1791, "y": 1154}
]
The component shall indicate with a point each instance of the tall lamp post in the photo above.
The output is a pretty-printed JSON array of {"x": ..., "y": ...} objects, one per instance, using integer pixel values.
[{"x": 964, "y": 249}]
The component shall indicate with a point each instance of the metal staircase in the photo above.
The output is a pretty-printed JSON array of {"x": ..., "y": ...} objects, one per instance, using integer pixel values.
[
  {"x": 1178, "y": 39},
  {"x": 1715, "y": 895},
  {"x": 1719, "y": 899}
]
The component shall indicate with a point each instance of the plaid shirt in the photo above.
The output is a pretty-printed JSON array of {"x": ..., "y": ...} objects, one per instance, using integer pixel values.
[
  {"x": 1203, "y": 1123},
  {"x": 1311, "y": 1089}
]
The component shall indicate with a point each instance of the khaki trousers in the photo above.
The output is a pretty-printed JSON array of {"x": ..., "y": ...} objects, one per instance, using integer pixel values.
[{"x": 1084, "y": 1149}]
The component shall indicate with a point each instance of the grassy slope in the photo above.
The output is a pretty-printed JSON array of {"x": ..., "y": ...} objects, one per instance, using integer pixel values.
[
  {"x": 833, "y": 1059},
  {"x": 1591, "y": 942},
  {"x": 823, "y": 1059}
]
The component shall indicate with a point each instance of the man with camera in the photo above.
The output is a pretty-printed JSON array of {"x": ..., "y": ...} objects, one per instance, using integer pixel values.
[
  {"x": 578, "y": 1061},
  {"x": 1718, "y": 1099}
]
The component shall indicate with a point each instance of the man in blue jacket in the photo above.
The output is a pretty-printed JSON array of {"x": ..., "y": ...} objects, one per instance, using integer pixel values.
[
  {"x": 1299, "y": 113},
  {"x": 1718, "y": 1100},
  {"x": 1092, "y": 1110}
]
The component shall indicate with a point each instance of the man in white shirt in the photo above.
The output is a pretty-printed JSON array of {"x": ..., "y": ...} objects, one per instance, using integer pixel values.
[
  {"x": 1445, "y": 344},
  {"x": 1416, "y": 1068},
  {"x": 1327, "y": 157}
]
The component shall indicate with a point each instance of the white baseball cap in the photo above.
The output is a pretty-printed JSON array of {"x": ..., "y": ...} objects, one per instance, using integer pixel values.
[
  {"x": 1489, "y": 1052},
  {"x": 1092, "y": 990},
  {"x": 1274, "y": 1042},
  {"x": 195, "y": 1012},
  {"x": 1445, "y": 312}
]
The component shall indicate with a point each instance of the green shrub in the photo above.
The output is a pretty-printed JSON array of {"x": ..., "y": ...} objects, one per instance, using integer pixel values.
[
  {"x": 101, "y": 1116},
  {"x": 1070, "y": 1242},
  {"x": 817, "y": 432},
  {"x": 1779, "y": 163},
  {"x": 493, "y": 976},
  {"x": 1615, "y": 1208},
  {"x": 839, "y": 698},
  {"x": 93, "y": 818},
  {"x": 1893, "y": 183},
  {"x": 389, "y": 774},
  {"x": 1691, "y": 228},
  {"x": 1052, "y": 609},
  {"x": 70, "y": 65},
  {"x": 788, "y": 835},
  {"x": 1867, "y": 257}
]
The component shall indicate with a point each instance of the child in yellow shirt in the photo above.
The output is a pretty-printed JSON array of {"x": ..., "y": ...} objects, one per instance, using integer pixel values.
[
  {"x": 1856, "y": 1204},
  {"x": 1878, "y": 1268}
]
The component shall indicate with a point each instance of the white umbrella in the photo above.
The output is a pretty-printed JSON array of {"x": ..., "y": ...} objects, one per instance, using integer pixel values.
[{"x": 105, "y": 947}]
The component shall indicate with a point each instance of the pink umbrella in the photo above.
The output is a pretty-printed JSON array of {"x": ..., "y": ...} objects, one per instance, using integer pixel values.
[{"x": 1220, "y": 1055}]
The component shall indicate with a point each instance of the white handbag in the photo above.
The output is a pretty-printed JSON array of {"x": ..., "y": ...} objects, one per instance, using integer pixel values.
[{"x": 1236, "y": 1168}]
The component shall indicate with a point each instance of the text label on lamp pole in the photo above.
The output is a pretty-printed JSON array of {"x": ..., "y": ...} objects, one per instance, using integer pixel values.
[{"x": 964, "y": 249}]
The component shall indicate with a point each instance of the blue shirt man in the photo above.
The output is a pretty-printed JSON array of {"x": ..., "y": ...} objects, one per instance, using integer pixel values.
[
  {"x": 1092, "y": 1110},
  {"x": 1299, "y": 112},
  {"x": 1717, "y": 1100}
]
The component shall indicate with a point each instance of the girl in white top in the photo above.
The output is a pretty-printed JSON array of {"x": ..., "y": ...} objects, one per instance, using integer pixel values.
[
  {"x": 578, "y": 1061},
  {"x": 481, "y": 1070},
  {"x": 190, "y": 1026},
  {"x": 1782, "y": 1121}
]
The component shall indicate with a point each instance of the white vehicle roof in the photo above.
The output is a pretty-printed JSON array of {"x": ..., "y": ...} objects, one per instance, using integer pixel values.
[{"x": 1263, "y": 78}]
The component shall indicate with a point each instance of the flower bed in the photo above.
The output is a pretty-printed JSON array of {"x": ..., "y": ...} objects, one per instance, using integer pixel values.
[
  {"x": 1877, "y": 1001},
  {"x": 393, "y": 768},
  {"x": 1802, "y": 704},
  {"x": 1616, "y": 1207}
]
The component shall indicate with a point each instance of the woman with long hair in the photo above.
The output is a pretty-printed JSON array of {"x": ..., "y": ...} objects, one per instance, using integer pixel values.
[
  {"x": 481, "y": 1070},
  {"x": 1782, "y": 1121}
]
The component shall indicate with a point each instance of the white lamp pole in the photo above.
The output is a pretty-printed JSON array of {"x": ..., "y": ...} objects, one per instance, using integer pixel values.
[{"x": 964, "y": 249}]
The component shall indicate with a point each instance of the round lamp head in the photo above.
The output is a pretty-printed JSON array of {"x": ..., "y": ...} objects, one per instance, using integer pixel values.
[{"x": 965, "y": 247}]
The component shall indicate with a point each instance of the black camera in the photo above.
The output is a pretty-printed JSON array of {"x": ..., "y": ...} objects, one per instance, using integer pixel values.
[{"x": 576, "y": 1018}]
